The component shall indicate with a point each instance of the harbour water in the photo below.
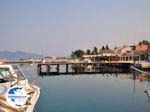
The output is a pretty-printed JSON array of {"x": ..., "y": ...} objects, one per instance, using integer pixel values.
[{"x": 116, "y": 92}]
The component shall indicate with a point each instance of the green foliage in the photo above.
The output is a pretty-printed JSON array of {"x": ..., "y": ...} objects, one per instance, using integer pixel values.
[
  {"x": 78, "y": 54},
  {"x": 72, "y": 55},
  {"x": 146, "y": 42},
  {"x": 107, "y": 47},
  {"x": 95, "y": 51},
  {"x": 103, "y": 48},
  {"x": 144, "y": 55},
  {"x": 115, "y": 47},
  {"x": 88, "y": 52}
]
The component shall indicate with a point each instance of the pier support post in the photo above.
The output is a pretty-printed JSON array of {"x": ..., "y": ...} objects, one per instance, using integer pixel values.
[
  {"x": 57, "y": 68},
  {"x": 67, "y": 68},
  {"x": 47, "y": 69},
  {"x": 39, "y": 69},
  {"x": 93, "y": 67},
  {"x": 75, "y": 68}
]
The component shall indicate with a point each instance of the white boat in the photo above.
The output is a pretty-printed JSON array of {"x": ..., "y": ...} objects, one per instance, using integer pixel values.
[{"x": 11, "y": 76}]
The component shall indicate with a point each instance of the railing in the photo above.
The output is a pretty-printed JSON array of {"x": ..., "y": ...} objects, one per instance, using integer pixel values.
[{"x": 139, "y": 70}]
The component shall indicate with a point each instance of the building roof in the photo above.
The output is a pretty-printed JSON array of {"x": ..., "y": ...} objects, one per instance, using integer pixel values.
[{"x": 142, "y": 47}]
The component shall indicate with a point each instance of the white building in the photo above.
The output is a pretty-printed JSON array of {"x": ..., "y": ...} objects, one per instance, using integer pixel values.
[{"x": 123, "y": 50}]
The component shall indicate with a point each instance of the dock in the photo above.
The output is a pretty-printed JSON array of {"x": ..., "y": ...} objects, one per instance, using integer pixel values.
[{"x": 81, "y": 67}]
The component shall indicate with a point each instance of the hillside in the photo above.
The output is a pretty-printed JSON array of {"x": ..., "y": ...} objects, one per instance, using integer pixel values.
[{"x": 18, "y": 55}]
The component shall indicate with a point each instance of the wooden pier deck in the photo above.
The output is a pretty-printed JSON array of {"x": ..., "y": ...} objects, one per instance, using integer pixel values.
[
  {"x": 63, "y": 62},
  {"x": 78, "y": 67}
]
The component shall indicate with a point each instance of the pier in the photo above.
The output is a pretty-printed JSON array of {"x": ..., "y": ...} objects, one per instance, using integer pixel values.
[{"x": 81, "y": 67}]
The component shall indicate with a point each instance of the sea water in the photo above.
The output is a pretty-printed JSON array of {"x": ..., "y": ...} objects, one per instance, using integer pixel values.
[{"x": 90, "y": 93}]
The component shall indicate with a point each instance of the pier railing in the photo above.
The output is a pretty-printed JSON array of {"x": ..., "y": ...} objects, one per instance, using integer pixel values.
[{"x": 141, "y": 71}]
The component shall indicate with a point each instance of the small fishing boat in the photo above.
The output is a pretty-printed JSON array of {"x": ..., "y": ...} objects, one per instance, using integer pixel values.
[{"x": 16, "y": 94}]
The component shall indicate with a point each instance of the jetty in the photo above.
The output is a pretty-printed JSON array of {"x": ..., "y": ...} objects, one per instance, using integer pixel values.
[{"x": 79, "y": 67}]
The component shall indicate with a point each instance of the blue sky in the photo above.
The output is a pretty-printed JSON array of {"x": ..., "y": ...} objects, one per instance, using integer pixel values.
[{"x": 57, "y": 27}]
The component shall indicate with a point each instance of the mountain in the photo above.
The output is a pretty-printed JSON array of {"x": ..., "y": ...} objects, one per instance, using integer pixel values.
[{"x": 18, "y": 55}]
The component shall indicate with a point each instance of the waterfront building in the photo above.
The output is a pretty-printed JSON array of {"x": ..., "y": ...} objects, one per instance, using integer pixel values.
[
  {"x": 123, "y": 53},
  {"x": 124, "y": 49},
  {"x": 142, "y": 47},
  {"x": 126, "y": 53},
  {"x": 143, "y": 51}
]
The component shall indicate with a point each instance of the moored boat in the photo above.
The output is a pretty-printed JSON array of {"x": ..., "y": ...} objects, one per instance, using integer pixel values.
[{"x": 16, "y": 93}]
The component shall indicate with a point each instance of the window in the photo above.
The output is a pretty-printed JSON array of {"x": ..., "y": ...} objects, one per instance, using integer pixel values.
[{"x": 4, "y": 72}]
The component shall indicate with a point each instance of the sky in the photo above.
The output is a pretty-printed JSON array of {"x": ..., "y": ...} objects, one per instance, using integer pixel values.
[{"x": 58, "y": 27}]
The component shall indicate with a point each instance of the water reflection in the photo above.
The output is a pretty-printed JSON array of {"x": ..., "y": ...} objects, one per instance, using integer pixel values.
[
  {"x": 105, "y": 92},
  {"x": 118, "y": 73}
]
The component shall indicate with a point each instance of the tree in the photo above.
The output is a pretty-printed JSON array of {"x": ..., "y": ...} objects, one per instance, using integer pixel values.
[
  {"x": 95, "y": 51},
  {"x": 140, "y": 43},
  {"x": 78, "y": 53},
  {"x": 107, "y": 47},
  {"x": 88, "y": 52},
  {"x": 103, "y": 48},
  {"x": 72, "y": 55},
  {"x": 115, "y": 47},
  {"x": 144, "y": 42}
]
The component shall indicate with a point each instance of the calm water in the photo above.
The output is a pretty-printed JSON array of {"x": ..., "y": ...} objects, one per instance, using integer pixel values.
[{"x": 91, "y": 93}]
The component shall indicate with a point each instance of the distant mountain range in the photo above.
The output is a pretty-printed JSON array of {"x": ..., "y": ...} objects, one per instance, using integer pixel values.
[{"x": 18, "y": 55}]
